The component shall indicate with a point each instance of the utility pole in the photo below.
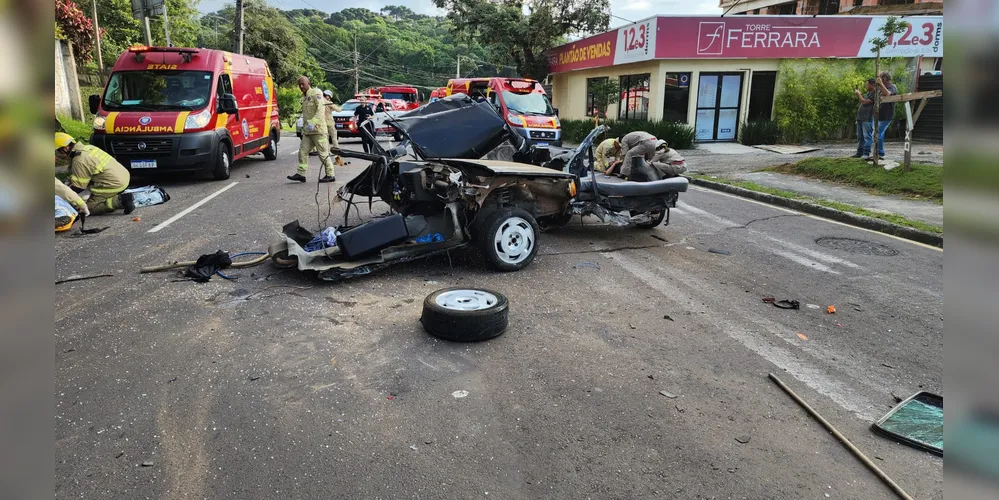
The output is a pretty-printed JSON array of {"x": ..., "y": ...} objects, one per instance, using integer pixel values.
[
  {"x": 357, "y": 69},
  {"x": 97, "y": 37},
  {"x": 149, "y": 34},
  {"x": 457, "y": 73},
  {"x": 166, "y": 25},
  {"x": 238, "y": 27}
]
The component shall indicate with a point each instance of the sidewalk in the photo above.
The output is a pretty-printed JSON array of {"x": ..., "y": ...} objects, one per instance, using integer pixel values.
[{"x": 730, "y": 161}]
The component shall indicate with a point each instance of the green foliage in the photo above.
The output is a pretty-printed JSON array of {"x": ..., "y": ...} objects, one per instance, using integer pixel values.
[
  {"x": 524, "y": 37},
  {"x": 119, "y": 29},
  {"x": 757, "y": 132},
  {"x": 892, "y": 26},
  {"x": 77, "y": 28},
  {"x": 677, "y": 135},
  {"x": 816, "y": 100},
  {"x": 923, "y": 181},
  {"x": 604, "y": 93},
  {"x": 289, "y": 101},
  {"x": 80, "y": 131}
]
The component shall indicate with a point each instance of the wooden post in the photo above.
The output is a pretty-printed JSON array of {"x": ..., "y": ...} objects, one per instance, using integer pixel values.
[
  {"x": 907, "y": 163},
  {"x": 910, "y": 117}
]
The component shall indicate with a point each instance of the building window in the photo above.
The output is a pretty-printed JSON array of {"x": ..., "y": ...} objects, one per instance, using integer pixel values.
[
  {"x": 858, "y": 3},
  {"x": 828, "y": 7},
  {"x": 787, "y": 9},
  {"x": 634, "y": 97},
  {"x": 895, "y": 2},
  {"x": 590, "y": 106},
  {"x": 677, "y": 97}
]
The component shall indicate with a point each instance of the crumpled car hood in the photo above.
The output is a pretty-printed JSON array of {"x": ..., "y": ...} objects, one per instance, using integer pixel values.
[{"x": 454, "y": 127}]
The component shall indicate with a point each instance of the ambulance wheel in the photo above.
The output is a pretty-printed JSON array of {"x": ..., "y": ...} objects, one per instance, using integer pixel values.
[
  {"x": 223, "y": 161},
  {"x": 270, "y": 154},
  {"x": 465, "y": 314}
]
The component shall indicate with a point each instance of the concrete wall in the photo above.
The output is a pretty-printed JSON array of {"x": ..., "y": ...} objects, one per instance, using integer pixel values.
[{"x": 67, "y": 85}]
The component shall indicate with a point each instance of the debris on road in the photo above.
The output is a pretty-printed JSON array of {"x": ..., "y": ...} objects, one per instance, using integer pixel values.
[
  {"x": 120, "y": 454},
  {"x": 813, "y": 306},
  {"x": 917, "y": 421},
  {"x": 668, "y": 317},
  {"x": 668, "y": 394},
  {"x": 207, "y": 265},
  {"x": 136, "y": 219},
  {"x": 802, "y": 336},
  {"x": 679, "y": 408},
  {"x": 632, "y": 326},
  {"x": 896, "y": 397},
  {"x": 81, "y": 278},
  {"x": 743, "y": 439},
  {"x": 886, "y": 365},
  {"x": 254, "y": 378},
  {"x": 783, "y": 304},
  {"x": 831, "y": 309},
  {"x": 719, "y": 251},
  {"x": 459, "y": 394},
  {"x": 412, "y": 447},
  {"x": 588, "y": 264},
  {"x": 846, "y": 442},
  {"x": 147, "y": 463}
]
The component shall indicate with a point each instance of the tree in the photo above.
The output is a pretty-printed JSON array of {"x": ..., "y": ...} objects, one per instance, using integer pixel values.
[
  {"x": 119, "y": 29},
  {"x": 270, "y": 35},
  {"x": 891, "y": 27},
  {"x": 524, "y": 38},
  {"x": 184, "y": 26},
  {"x": 77, "y": 28},
  {"x": 604, "y": 92},
  {"x": 398, "y": 12}
]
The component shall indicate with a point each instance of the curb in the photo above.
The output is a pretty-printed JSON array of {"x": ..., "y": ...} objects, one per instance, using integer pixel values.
[{"x": 829, "y": 213}]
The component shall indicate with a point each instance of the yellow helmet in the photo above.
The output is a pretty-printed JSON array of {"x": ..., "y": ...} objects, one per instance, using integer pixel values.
[{"x": 62, "y": 139}]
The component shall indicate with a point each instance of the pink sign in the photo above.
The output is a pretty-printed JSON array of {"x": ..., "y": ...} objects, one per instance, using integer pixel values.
[{"x": 749, "y": 37}]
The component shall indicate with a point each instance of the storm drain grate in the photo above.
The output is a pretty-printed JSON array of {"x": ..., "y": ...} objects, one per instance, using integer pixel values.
[{"x": 851, "y": 245}]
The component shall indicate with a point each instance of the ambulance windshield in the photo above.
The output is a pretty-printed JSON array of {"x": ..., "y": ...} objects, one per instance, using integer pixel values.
[
  {"x": 158, "y": 90},
  {"x": 531, "y": 104}
]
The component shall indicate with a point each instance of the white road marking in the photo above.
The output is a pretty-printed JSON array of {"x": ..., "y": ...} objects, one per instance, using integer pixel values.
[
  {"x": 805, "y": 262},
  {"x": 754, "y": 339},
  {"x": 190, "y": 209},
  {"x": 816, "y": 217},
  {"x": 790, "y": 247}
]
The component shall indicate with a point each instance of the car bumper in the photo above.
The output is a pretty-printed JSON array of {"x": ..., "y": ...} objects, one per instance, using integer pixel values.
[
  {"x": 174, "y": 153},
  {"x": 541, "y": 136}
]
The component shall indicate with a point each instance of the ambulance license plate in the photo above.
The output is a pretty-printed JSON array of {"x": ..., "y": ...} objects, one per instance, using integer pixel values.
[
  {"x": 339, "y": 125},
  {"x": 143, "y": 163}
]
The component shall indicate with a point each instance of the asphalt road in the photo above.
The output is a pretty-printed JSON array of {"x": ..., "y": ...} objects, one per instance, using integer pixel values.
[{"x": 278, "y": 385}]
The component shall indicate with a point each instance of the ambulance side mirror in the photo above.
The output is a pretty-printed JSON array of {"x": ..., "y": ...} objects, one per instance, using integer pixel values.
[
  {"x": 556, "y": 111},
  {"x": 95, "y": 102},
  {"x": 227, "y": 103}
]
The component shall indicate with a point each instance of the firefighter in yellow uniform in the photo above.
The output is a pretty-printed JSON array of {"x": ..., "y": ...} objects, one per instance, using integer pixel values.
[
  {"x": 607, "y": 153},
  {"x": 92, "y": 169},
  {"x": 64, "y": 192},
  {"x": 315, "y": 133}
]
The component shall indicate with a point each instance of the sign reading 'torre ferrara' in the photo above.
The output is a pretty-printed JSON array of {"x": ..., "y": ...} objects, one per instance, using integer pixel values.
[{"x": 748, "y": 37}]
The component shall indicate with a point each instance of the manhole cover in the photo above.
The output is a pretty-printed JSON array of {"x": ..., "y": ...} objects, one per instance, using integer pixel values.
[{"x": 856, "y": 246}]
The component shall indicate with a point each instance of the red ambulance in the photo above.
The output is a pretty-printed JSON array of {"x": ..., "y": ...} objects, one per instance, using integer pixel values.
[
  {"x": 172, "y": 109},
  {"x": 522, "y": 102}
]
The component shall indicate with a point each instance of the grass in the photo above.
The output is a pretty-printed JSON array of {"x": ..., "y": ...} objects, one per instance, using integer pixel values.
[
  {"x": 893, "y": 218},
  {"x": 924, "y": 181},
  {"x": 79, "y": 130}
]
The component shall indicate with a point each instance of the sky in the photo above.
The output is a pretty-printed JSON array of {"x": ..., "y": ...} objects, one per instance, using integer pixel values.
[{"x": 625, "y": 10}]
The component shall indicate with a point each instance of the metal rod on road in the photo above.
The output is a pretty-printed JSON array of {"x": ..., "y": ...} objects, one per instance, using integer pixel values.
[{"x": 846, "y": 442}]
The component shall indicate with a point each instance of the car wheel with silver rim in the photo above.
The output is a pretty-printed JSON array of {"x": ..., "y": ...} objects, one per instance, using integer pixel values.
[
  {"x": 465, "y": 314},
  {"x": 508, "y": 238}
]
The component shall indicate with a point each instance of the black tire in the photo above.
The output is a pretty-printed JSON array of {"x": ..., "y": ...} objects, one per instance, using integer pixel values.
[
  {"x": 656, "y": 220},
  {"x": 514, "y": 227},
  {"x": 489, "y": 320},
  {"x": 223, "y": 162},
  {"x": 270, "y": 154}
]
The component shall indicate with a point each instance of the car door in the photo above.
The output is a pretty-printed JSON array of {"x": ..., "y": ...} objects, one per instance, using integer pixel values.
[{"x": 231, "y": 122}]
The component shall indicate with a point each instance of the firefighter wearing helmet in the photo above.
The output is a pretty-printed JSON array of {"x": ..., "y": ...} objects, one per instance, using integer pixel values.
[{"x": 92, "y": 169}]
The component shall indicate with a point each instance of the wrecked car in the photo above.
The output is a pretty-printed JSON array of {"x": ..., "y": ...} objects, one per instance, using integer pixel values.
[{"x": 442, "y": 197}]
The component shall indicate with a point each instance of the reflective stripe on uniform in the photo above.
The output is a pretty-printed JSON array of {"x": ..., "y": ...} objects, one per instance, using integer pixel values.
[
  {"x": 80, "y": 182},
  {"x": 103, "y": 159},
  {"x": 106, "y": 191}
]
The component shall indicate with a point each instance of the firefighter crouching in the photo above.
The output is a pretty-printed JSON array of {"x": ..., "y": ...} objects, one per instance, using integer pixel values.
[{"x": 92, "y": 169}]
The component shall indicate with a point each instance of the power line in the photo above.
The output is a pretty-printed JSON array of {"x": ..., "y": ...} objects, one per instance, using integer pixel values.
[{"x": 730, "y": 7}]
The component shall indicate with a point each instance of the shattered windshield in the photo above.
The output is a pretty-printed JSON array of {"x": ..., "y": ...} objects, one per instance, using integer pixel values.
[
  {"x": 156, "y": 90},
  {"x": 532, "y": 104}
]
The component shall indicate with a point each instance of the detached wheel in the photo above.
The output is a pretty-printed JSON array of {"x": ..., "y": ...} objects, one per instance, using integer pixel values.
[
  {"x": 270, "y": 154},
  {"x": 655, "y": 220},
  {"x": 465, "y": 314},
  {"x": 508, "y": 239},
  {"x": 223, "y": 162}
]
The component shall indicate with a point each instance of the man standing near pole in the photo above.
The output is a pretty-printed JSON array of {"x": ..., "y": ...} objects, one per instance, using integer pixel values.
[
  {"x": 886, "y": 111},
  {"x": 314, "y": 133}
]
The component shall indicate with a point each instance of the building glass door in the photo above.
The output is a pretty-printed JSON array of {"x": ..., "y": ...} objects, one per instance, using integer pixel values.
[{"x": 719, "y": 96}]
